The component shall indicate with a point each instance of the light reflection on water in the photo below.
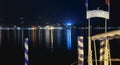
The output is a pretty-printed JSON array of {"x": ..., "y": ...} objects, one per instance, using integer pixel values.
[
  {"x": 8, "y": 35},
  {"x": 33, "y": 36},
  {"x": 0, "y": 38},
  {"x": 14, "y": 32},
  {"x": 52, "y": 39},
  {"x": 22, "y": 37},
  {"x": 68, "y": 39},
  {"x": 47, "y": 37},
  {"x": 41, "y": 37},
  {"x": 58, "y": 37},
  {"x": 18, "y": 36},
  {"x": 51, "y": 35},
  {"x": 51, "y": 42}
]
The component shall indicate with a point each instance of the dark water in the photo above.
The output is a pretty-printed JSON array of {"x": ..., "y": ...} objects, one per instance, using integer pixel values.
[{"x": 53, "y": 47}]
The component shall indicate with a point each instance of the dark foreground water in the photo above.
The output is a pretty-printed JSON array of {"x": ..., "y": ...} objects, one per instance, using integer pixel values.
[{"x": 53, "y": 47}]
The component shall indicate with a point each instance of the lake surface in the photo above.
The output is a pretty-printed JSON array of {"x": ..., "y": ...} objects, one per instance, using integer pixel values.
[{"x": 46, "y": 46}]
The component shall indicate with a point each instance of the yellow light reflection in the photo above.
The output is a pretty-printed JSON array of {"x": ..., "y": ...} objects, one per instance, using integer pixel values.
[
  {"x": 52, "y": 39},
  {"x": 33, "y": 34}
]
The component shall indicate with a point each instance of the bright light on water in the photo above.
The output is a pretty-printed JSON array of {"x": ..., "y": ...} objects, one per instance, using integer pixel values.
[{"x": 69, "y": 39}]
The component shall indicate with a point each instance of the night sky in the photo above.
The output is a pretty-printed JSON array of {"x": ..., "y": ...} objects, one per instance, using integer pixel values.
[{"x": 52, "y": 11}]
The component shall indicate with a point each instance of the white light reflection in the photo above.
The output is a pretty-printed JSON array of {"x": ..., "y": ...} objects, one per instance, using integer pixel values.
[
  {"x": 18, "y": 31},
  {"x": 47, "y": 37},
  {"x": 39, "y": 35},
  {"x": 52, "y": 28},
  {"x": 22, "y": 38},
  {"x": 18, "y": 28},
  {"x": 8, "y": 36},
  {"x": 14, "y": 34},
  {"x": 0, "y": 37}
]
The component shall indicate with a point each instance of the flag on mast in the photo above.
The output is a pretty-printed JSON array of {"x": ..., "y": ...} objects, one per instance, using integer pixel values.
[
  {"x": 107, "y": 2},
  {"x": 86, "y": 3}
]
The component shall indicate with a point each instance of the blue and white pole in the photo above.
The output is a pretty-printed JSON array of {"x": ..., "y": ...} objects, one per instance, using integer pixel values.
[
  {"x": 26, "y": 51},
  {"x": 80, "y": 51}
]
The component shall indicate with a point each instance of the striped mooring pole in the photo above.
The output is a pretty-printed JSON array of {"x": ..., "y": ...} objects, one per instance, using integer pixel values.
[
  {"x": 26, "y": 51},
  {"x": 80, "y": 51}
]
